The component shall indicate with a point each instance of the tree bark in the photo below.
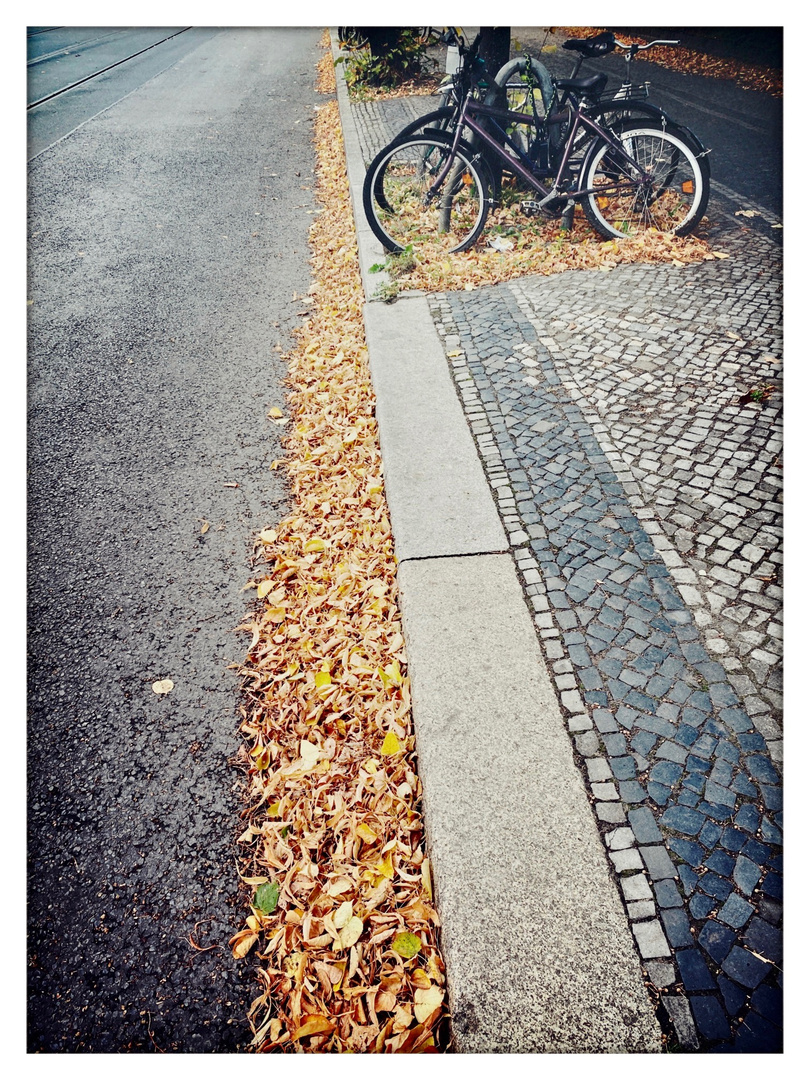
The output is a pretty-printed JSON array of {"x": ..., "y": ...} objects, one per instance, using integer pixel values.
[
  {"x": 495, "y": 46},
  {"x": 381, "y": 38},
  {"x": 494, "y": 50}
]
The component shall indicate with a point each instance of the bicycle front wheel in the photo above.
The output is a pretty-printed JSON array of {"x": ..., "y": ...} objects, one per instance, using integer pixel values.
[
  {"x": 404, "y": 211},
  {"x": 661, "y": 187}
]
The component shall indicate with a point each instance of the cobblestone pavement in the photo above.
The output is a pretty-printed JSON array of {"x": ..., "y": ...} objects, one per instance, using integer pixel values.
[{"x": 640, "y": 485}]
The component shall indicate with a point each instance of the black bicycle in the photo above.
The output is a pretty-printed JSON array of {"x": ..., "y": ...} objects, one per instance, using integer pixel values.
[{"x": 434, "y": 188}]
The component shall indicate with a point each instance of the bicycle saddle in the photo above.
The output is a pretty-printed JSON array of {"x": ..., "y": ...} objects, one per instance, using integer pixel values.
[
  {"x": 598, "y": 45},
  {"x": 593, "y": 85}
]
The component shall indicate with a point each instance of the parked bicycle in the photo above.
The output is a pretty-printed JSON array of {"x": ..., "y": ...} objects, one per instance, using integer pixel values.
[
  {"x": 523, "y": 85},
  {"x": 435, "y": 187}
]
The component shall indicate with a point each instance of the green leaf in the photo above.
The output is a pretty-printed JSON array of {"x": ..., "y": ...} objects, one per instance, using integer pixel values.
[
  {"x": 265, "y": 898},
  {"x": 406, "y": 945}
]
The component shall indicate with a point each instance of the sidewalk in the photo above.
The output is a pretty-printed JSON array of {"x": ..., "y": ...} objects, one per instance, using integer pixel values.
[{"x": 559, "y": 479}]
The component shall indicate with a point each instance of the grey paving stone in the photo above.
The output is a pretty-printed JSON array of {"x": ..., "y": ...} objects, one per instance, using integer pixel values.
[
  {"x": 612, "y": 812},
  {"x": 661, "y": 973},
  {"x": 763, "y": 938},
  {"x": 626, "y": 859},
  {"x": 677, "y": 927},
  {"x": 644, "y": 826},
  {"x": 619, "y": 838},
  {"x": 636, "y": 887},
  {"x": 631, "y": 791},
  {"x": 671, "y": 751},
  {"x": 651, "y": 939},
  {"x": 658, "y": 862},
  {"x": 746, "y": 875},
  {"x": 683, "y": 820},
  {"x": 735, "y": 912},
  {"x": 680, "y": 1014},
  {"x": 641, "y": 909},
  {"x": 717, "y": 940},
  {"x": 667, "y": 893}
]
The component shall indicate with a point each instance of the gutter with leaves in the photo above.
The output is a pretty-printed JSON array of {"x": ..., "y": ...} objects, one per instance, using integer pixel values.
[{"x": 341, "y": 922}]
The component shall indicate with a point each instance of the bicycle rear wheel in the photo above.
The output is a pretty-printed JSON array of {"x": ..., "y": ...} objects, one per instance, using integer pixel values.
[
  {"x": 662, "y": 188},
  {"x": 400, "y": 208}
]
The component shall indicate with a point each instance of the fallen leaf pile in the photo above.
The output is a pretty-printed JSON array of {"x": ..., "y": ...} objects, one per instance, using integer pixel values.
[
  {"x": 539, "y": 247},
  {"x": 342, "y": 923},
  {"x": 692, "y": 62}
]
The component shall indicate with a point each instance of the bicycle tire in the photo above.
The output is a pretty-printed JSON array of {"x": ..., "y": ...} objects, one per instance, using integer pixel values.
[
  {"x": 350, "y": 37},
  {"x": 399, "y": 217},
  {"x": 673, "y": 200},
  {"x": 504, "y": 93}
]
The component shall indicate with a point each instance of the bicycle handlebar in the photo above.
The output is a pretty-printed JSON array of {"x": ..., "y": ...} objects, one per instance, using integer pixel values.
[{"x": 641, "y": 48}]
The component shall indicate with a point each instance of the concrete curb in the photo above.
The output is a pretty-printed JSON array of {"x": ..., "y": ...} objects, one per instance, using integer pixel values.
[{"x": 540, "y": 957}]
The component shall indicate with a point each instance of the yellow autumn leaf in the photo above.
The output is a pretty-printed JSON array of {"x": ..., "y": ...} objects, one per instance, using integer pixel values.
[
  {"x": 206, "y": 525},
  {"x": 338, "y": 886},
  {"x": 315, "y": 1024},
  {"x": 406, "y": 944},
  {"x": 427, "y": 884},
  {"x": 350, "y": 933},
  {"x": 315, "y": 544},
  {"x": 342, "y": 915},
  {"x": 261, "y": 757},
  {"x": 274, "y": 413},
  {"x": 385, "y": 868},
  {"x": 426, "y": 1002},
  {"x": 391, "y": 745},
  {"x": 268, "y": 536},
  {"x": 309, "y": 752},
  {"x": 294, "y": 965},
  {"x": 322, "y": 679},
  {"x": 264, "y": 587},
  {"x": 367, "y": 834},
  {"x": 163, "y": 686}
]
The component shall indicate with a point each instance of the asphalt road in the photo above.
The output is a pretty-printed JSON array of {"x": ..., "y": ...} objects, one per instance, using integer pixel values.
[{"x": 169, "y": 206}]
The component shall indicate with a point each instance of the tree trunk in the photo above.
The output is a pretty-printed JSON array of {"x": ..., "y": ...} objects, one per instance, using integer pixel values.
[
  {"x": 494, "y": 50},
  {"x": 381, "y": 38},
  {"x": 495, "y": 46}
]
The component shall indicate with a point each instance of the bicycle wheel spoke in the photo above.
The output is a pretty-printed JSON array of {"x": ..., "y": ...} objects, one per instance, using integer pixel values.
[{"x": 662, "y": 187}]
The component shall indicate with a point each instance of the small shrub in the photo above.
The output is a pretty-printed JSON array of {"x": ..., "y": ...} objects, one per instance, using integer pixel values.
[{"x": 387, "y": 58}]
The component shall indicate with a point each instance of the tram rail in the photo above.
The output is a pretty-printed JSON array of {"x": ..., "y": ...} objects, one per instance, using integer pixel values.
[{"x": 109, "y": 67}]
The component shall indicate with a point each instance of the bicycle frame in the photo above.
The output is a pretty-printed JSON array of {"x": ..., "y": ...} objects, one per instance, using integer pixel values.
[{"x": 467, "y": 118}]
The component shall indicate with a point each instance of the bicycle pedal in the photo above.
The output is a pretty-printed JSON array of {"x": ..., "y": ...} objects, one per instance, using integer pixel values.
[{"x": 530, "y": 207}]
